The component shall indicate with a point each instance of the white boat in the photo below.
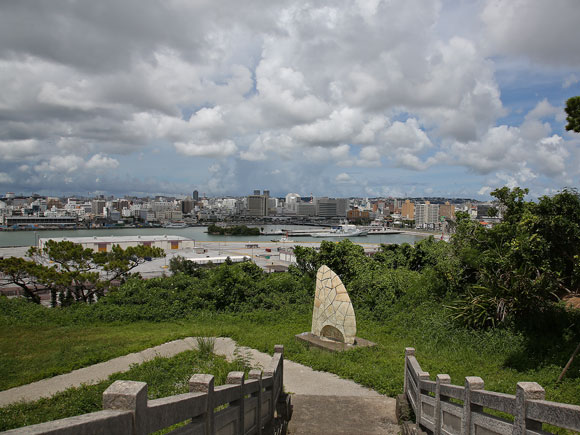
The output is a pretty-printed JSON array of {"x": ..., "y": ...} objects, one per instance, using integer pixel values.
[
  {"x": 345, "y": 230},
  {"x": 175, "y": 225},
  {"x": 283, "y": 239}
]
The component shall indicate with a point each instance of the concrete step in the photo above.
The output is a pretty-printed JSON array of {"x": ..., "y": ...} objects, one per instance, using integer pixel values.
[{"x": 343, "y": 415}]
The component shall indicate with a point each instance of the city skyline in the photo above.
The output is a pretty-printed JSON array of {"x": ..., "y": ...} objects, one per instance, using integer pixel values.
[{"x": 369, "y": 98}]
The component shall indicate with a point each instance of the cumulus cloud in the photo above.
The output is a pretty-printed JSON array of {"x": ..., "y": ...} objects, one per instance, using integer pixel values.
[
  {"x": 99, "y": 161},
  {"x": 216, "y": 149},
  {"x": 343, "y": 177},
  {"x": 370, "y": 84}
]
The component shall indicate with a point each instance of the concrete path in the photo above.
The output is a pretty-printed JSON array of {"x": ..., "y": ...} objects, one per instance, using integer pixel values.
[{"x": 323, "y": 402}]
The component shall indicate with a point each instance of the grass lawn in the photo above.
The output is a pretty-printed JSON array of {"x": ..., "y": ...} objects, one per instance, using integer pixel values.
[
  {"x": 36, "y": 352},
  {"x": 164, "y": 377}
]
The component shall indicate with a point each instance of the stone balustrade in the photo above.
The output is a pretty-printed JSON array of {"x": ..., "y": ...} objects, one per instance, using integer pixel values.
[
  {"x": 443, "y": 408},
  {"x": 257, "y": 405}
]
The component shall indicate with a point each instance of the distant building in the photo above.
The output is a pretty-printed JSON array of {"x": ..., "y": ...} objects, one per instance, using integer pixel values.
[
  {"x": 305, "y": 209},
  {"x": 331, "y": 207},
  {"x": 195, "y": 196},
  {"x": 447, "y": 211},
  {"x": 291, "y": 204},
  {"x": 408, "y": 210},
  {"x": 40, "y": 221},
  {"x": 98, "y": 207},
  {"x": 187, "y": 205},
  {"x": 105, "y": 244},
  {"x": 357, "y": 214},
  {"x": 257, "y": 205},
  {"x": 426, "y": 214}
]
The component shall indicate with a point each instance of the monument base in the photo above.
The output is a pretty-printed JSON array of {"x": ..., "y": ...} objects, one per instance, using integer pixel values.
[{"x": 331, "y": 345}]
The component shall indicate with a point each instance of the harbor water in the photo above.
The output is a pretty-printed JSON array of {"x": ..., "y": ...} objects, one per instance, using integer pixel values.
[{"x": 29, "y": 238}]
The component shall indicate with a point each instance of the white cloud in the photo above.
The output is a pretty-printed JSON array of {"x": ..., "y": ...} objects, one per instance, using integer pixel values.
[
  {"x": 370, "y": 83},
  {"x": 61, "y": 164},
  {"x": 570, "y": 80},
  {"x": 343, "y": 177},
  {"x": 99, "y": 161},
  {"x": 215, "y": 149},
  {"x": 484, "y": 190}
]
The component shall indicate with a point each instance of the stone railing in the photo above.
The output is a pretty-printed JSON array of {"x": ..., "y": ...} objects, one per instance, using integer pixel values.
[
  {"x": 436, "y": 411},
  {"x": 254, "y": 406}
]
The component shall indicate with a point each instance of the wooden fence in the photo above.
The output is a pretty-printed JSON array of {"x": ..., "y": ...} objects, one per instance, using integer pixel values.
[
  {"x": 447, "y": 409},
  {"x": 241, "y": 407}
]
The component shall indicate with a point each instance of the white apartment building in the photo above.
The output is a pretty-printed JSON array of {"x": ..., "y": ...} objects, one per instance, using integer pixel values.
[{"x": 426, "y": 214}]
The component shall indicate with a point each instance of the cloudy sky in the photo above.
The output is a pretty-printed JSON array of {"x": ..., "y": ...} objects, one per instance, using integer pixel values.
[{"x": 339, "y": 98}]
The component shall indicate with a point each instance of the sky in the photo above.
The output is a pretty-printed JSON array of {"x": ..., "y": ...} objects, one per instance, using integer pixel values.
[{"x": 340, "y": 98}]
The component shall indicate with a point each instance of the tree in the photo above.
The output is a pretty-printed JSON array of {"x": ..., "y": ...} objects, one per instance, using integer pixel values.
[
  {"x": 522, "y": 265},
  {"x": 573, "y": 112},
  {"x": 27, "y": 275},
  {"x": 71, "y": 272}
]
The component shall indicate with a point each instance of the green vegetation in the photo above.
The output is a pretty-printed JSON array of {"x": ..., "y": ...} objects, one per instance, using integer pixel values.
[
  {"x": 164, "y": 377},
  {"x": 573, "y": 112},
  {"x": 236, "y": 230},
  {"x": 77, "y": 274},
  {"x": 486, "y": 304}
]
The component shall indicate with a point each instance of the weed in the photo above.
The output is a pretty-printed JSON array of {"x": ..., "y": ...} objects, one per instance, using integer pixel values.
[{"x": 205, "y": 345}]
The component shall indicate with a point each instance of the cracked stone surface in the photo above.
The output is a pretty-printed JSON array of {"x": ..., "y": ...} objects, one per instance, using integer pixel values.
[{"x": 333, "y": 314}]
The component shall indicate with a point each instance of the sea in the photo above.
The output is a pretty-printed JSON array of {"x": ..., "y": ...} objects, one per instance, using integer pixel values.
[{"x": 29, "y": 238}]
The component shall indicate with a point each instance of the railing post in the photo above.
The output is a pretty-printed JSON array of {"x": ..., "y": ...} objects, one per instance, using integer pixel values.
[
  {"x": 421, "y": 376},
  {"x": 257, "y": 374},
  {"x": 204, "y": 384},
  {"x": 409, "y": 351},
  {"x": 237, "y": 378},
  {"x": 526, "y": 391},
  {"x": 129, "y": 396},
  {"x": 471, "y": 383},
  {"x": 441, "y": 380},
  {"x": 280, "y": 349}
]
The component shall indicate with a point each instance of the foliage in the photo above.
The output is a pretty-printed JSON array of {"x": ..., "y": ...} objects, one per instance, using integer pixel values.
[
  {"x": 225, "y": 288},
  {"x": 77, "y": 274},
  {"x": 205, "y": 345},
  {"x": 345, "y": 258},
  {"x": 236, "y": 230},
  {"x": 521, "y": 266},
  {"x": 179, "y": 264},
  {"x": 573, "y": 112}
]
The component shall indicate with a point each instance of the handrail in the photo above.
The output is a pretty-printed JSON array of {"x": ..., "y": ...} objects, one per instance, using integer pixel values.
[
  {"x": 439, "y": 415},
  {"x": 244, "y": 409}
]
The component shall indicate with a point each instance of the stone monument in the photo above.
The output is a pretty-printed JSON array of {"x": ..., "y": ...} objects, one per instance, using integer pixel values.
[{"x": 333, "y": 319}]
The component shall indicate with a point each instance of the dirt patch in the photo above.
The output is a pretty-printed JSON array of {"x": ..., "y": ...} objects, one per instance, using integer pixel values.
[{"x": 572, "y": 301}]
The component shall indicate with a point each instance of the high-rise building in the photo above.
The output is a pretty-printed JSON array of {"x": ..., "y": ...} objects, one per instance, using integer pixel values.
[
  {"x": 331, "y": 207},
  {"x": 187, "y": 205},
  {"x": 408, "y": 210},
  {"x": 97, "y": 207},
  {"x": 257, "y": 205},
  {"x": 426, "y": 214},
  {"x": 305, "y": 209},
  {"x": 195, "y": 196}
]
